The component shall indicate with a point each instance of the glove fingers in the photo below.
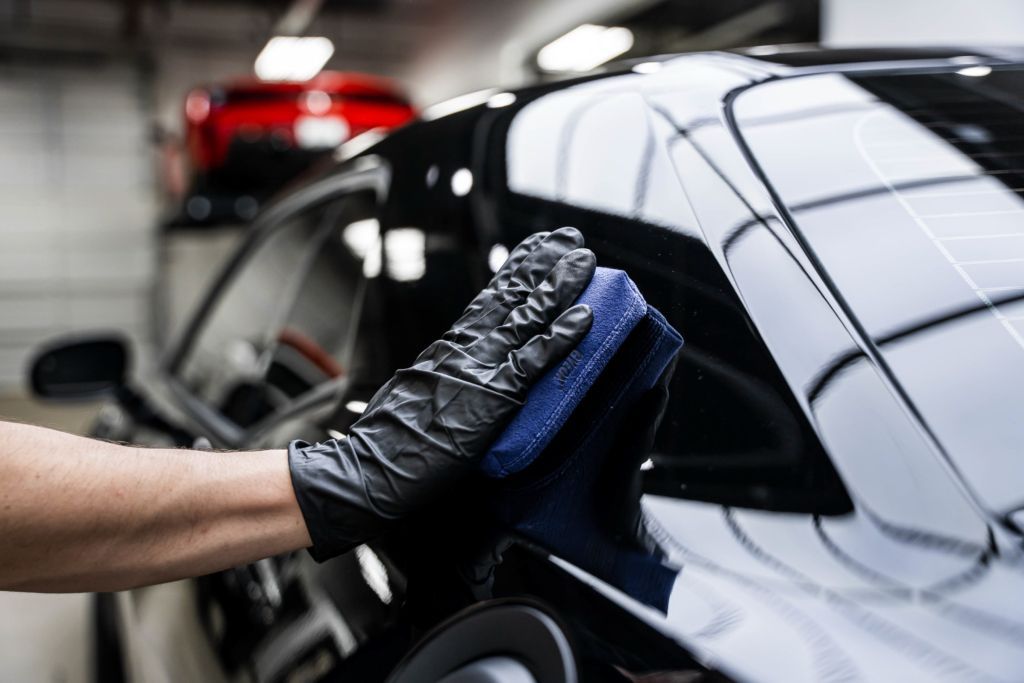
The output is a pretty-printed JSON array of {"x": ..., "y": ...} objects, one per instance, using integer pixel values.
[
  {"x": 516, "y": 258},
  {"x": 532, "y": 271},
  {"x": 526, "y": 364},
  {"x": 470, "y": 325},
  {"x": 557, "y": 292},
  {"x": 523, "y": 272}
]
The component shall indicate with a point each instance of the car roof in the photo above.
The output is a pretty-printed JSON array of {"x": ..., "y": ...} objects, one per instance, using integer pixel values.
[{"x": 806, "y": 55}]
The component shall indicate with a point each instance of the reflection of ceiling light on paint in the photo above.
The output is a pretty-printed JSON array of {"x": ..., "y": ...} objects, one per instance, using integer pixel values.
[
  {"x": 973, "y": 133},
  {"x": 584, "y": 48},
  {"x": 502, "y": 99},
  {"x": 374, "y": 573},
  {"x": 292, "y": 58},
  {"x": 316, "y": 102},
  {"x": 975, "y": 71},
  {"x": 497, "y": 257},
  {"x": 432, "y": 173},
  {"x": 763, "y": 50},
  {"x": 462, "y": 182},
  {"x": 374, "y": 261},
  {"x": 457, "y": 104},
  {"x": 405, "y": 252},
  {"x": 321, "y": 132},
  {"x": 360, "y": 236},
  {"x": 647, "y": 67},
  {"x": 359, "y": 144},
  {"x": 647, "y": 465},
  {"x": 357, "y": 407}
]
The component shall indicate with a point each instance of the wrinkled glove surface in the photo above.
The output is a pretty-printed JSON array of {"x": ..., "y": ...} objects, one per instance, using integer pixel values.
[{"x": 432, "y": 422}]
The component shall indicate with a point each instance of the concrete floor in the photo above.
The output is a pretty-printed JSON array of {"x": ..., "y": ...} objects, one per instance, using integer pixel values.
[{"x": 46, "y": 638}]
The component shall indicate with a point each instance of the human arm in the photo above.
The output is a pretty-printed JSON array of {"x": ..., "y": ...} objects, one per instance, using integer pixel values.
[{"x": 78, "y": 514}]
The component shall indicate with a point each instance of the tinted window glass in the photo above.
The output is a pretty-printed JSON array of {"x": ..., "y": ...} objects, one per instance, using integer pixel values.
[
  {"x": 908, "y": 189},
  {"x": 732, "y": 432}
]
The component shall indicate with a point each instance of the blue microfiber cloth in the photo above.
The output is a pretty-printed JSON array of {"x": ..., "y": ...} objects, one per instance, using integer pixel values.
[
  {"x": 618, "y": 307},
  {"x": 565, "y": 501}
]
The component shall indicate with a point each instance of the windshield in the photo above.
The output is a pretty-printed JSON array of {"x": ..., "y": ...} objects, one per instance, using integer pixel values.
[{"x": 908, "y": 190}]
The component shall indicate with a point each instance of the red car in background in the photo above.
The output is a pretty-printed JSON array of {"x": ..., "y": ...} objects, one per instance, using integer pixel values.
[{"x": 247, "y": 138}]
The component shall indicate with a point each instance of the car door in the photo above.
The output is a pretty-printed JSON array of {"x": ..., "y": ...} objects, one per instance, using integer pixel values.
[{"x": 292, "y": 326}]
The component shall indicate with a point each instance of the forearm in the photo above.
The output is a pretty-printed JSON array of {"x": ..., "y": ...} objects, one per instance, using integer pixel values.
[{"x": 78, "y": 514}]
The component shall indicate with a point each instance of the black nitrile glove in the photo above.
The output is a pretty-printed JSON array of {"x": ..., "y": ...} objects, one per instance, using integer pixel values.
[{"x": 431, "y": 423}]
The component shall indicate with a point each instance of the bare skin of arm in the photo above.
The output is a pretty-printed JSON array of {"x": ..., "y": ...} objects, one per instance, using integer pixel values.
[{"x": 78, "y": 514}]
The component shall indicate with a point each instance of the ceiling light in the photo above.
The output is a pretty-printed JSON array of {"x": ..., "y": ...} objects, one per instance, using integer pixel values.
[
  {"x": 584, "y": 48},
  {"x": 290, "y": 58},
  {"x": 975, "y": 71}
]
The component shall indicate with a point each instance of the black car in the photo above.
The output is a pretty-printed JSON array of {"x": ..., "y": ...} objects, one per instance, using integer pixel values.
[{"x": 837, "y": 489}]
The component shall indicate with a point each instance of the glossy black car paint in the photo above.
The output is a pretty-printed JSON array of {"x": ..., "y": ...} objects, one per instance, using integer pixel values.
[{"x": 816, "y": 527}]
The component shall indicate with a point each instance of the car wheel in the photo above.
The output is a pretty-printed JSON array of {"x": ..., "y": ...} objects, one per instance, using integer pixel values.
[{"x": 497, "y": 643}]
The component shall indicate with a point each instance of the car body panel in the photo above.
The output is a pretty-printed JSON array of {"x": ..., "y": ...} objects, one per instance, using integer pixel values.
[{"x": 901, "y": 610}]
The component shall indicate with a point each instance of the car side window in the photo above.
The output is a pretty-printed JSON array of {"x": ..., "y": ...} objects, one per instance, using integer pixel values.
[
  {"x": 289, "y": 318},
  {"x": 732, "y": 433}
]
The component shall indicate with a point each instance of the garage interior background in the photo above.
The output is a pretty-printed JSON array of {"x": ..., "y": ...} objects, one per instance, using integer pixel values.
[{"x": 91, "y": 129}]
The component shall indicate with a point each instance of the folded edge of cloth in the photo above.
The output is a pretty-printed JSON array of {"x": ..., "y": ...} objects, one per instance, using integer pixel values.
[
  {"x": 618, "y": 307},
  {"x": 562, "y": 503}
]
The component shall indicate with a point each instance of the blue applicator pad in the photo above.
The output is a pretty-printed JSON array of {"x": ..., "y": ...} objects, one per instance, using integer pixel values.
[{"x": 618, "y": 307}]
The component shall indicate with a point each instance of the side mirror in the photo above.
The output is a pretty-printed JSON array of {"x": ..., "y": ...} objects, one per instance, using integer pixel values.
[{"x": 81, "y": 368}]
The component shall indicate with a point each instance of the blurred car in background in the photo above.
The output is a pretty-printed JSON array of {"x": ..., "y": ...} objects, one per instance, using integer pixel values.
[
  {"x": 835, "y": 490},
  {"x": 247, "y": 138}
]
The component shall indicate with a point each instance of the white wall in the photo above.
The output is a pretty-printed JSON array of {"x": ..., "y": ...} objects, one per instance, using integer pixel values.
[
  {"x": 77, "y": 208},
  {"x": 922, "y": 22}
]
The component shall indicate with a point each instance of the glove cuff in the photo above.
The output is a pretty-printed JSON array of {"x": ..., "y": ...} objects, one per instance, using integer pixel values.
[{"x": 322, "y": 475}]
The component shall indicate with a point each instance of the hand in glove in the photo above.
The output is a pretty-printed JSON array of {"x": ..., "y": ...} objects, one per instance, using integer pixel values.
[{"x": 431, "y": 423}]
